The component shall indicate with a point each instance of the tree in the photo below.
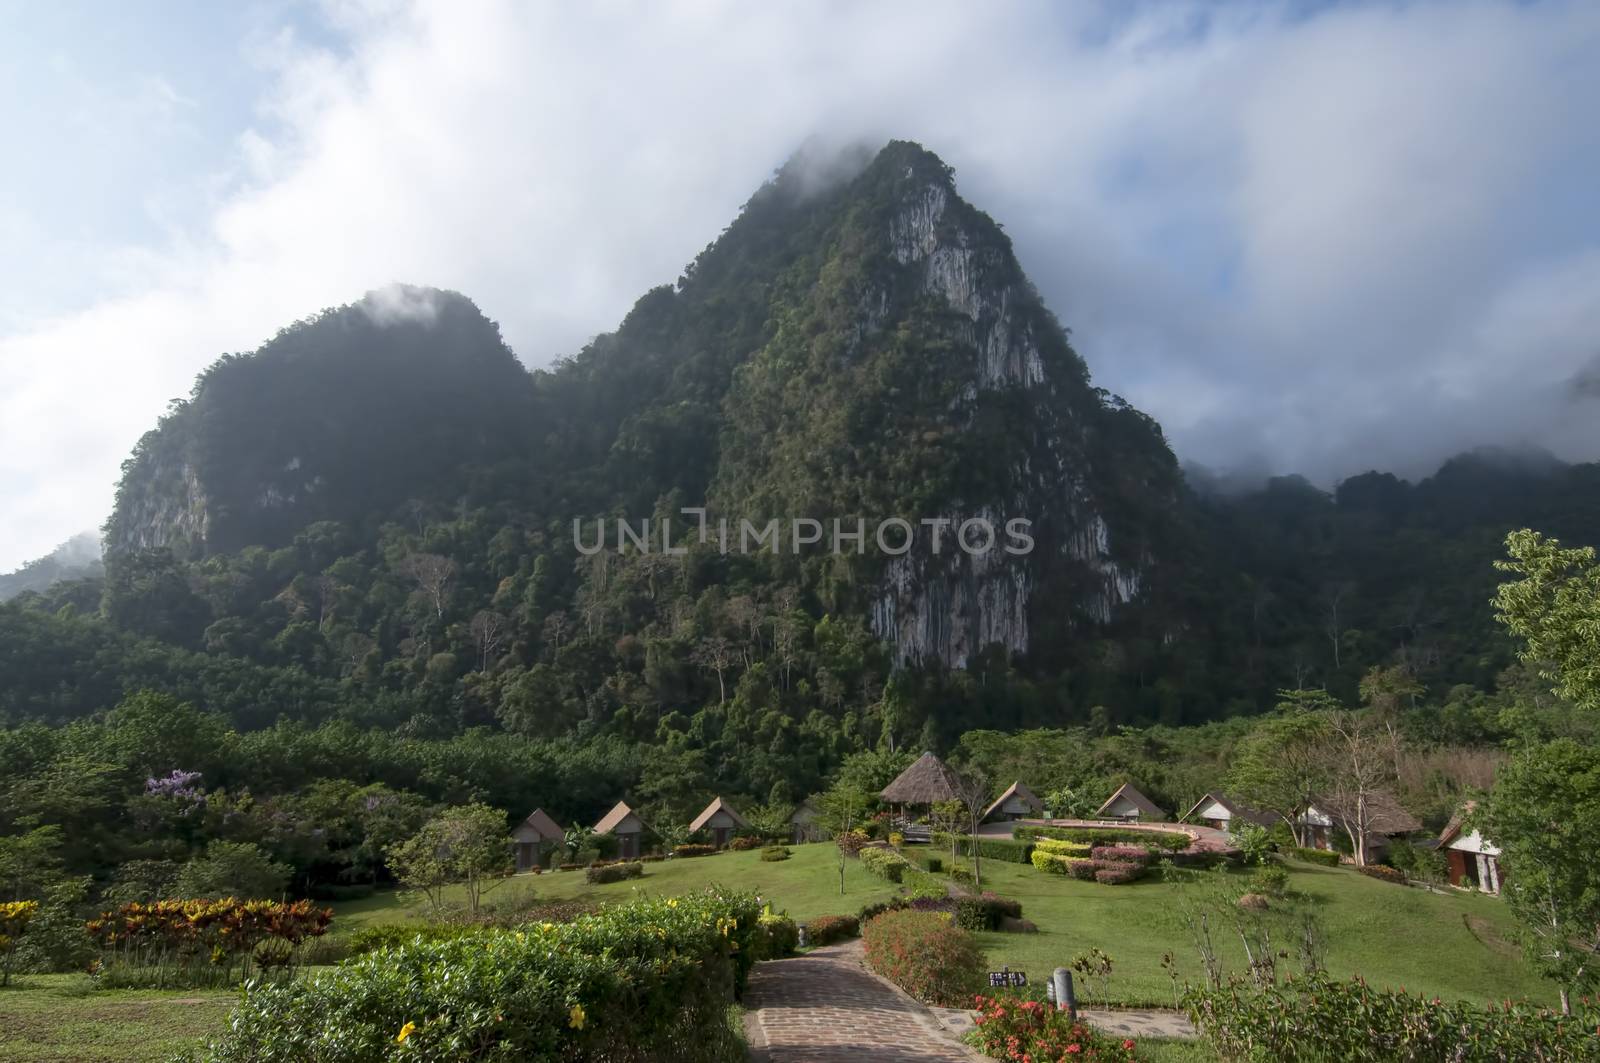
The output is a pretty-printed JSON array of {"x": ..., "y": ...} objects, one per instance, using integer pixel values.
[
  {"x": 841, "y": 811},
  {"x": 467, "y": 845},
  {"x": 1281, "y": 764},
  {"x": 1555, "y": 609},
  {"x": 715, "y": 654},
  {"x": 432, "y": 573},
  {"x": 973, "y": 787},
  {"x": 488, "y": 631},
  {"x": 233, "y": 869},
  {"x": 1544, "y": 815},
  {"x": 1360, "y": 759}
]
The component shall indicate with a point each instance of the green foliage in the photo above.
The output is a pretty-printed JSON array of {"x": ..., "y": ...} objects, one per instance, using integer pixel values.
[
  {"x": 686, "y": 851},
  {"x": 1316, "y": 1018},
  {"x": 1165, "y": 839},
  {"x": 987, "y": 848},
  {"x": 1254, "y": 842},
  {"x": 1324, "y": 857},
  {"x": 651, "y": 978},
  {"x": 887, "y": 864},
  {"x": 1383, "y": 873},
  {"x": 1008, "y": 1028},
  {"x": 925, "y": 954},
  {"x": 827, "y": 929},
  {"x": 467, "y": 845},
  {"x": 772, "y": 854},
  {"x": 233, "y": 869},
  {"x": 1062, "y": 847},
  {"x": 1415, "y": 862},
  {"x": 600, "y": 873},
  {"x": 920, "y": 884},
  {"x": 1555, "y": 609},
  {"x": 777, "y": 935},
  {"x": 1270, "y": 880}
]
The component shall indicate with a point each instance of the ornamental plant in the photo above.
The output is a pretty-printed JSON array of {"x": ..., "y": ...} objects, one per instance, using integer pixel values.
[
  {"x": 197, "y": 941},
  {"x": 925, "y": 954},
  {"x": 647, "y": 980},
  {"x": 826, "y": 929},
  {"x": 14, "y": 919},
  {"x": 693, "y": 850},
  {"x": 1009, "y": 1028},
  {"x": 887, "y": 864}
]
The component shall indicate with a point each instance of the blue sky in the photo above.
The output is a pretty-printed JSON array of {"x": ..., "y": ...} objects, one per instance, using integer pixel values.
[{"x": 1306, "y": 237}]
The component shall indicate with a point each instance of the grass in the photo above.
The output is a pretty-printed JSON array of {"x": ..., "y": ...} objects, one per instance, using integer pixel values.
[
  {"x": 1456, "y": 946},
  {"x": 60, "y": 1017},
  {"x": 806, "y": 885}
]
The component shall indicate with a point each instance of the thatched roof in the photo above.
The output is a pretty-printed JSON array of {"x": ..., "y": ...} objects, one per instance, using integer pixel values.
[
  {"x": 1127, "y": 792},
  {"x": 1235, "y": 810},
  {"x": 611, "y": 819},
  {"x": 717, "y": 805},
  {"x": 548, "y": 828},
  {"x": 1384, "y": 814},
  {"x": 928, "y": 780},
  {"x": 1016, "y": 789}
]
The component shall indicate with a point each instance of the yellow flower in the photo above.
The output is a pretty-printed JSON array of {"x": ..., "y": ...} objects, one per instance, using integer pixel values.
[
  {"x": 521, "y": 936},
  {"x": 672, "y": 902},
  {"x": 405, "y": 1031},
  {"x": 576, "y": 1017}
]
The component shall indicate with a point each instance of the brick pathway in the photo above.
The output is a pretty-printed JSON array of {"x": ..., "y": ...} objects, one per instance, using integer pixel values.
[{"x": 825, "y": 1007}]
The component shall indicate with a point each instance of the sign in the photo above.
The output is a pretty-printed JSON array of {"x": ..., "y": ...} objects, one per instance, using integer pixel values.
[{"x": 1007, "y": 977}]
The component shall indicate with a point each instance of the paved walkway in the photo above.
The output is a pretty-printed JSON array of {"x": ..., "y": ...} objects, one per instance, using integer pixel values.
[
  {"x": 825, "y": 1007},
  {"x": 1129, "y": 1022}
]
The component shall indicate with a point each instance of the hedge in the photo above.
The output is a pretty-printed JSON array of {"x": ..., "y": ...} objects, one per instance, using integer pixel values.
[
  {"x": 773, "y": 853},
  {"x": 1318, "y": 1018},
  {"x": 693, "y": 850},
  {"x": 1325, "y": 857},
  {"x": 1161, "y": 839},
  {"x": 925, "y": 954},
  {"x": 651, "y": 979},
  {"x": 1121, "y": 854},
  {"x": 1061, "y": 847},
  {"x": 921, "y": 884},
  {"x": 1055, "y": 863},
  {"x": 988, "y": 848},
  {"x": 744, "y": 843},
  {"x": 600, "y": 873},
  {"x": 776, "y": 936},
  {"x": 1385, "y": 873},
  {"x": 984, "y": 912},
  {"x": 885, "y": 863},
  {"x": 1109, "y": 874},
  {"x": 826, "y": 929}
]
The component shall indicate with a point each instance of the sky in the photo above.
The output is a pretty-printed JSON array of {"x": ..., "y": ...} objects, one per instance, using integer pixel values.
[{"x": 1306, "y": 237}]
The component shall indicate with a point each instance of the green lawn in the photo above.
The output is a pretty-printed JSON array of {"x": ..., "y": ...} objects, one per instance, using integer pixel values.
[
  {"x": 59, "y": 1017},
  {"x": 806, "y": 885},
  {"x": 1457, "y": 946}
]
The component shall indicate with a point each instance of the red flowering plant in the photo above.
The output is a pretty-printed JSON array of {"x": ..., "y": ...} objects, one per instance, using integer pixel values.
[{"x": 1031, "y": 1032}]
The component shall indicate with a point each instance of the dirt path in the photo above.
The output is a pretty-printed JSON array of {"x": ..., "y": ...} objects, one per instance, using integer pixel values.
[{"x": 825, "y": 1007}]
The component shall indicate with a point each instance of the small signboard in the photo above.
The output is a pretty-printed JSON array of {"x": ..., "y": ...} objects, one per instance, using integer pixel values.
[{"x": 1007, "y": 977}]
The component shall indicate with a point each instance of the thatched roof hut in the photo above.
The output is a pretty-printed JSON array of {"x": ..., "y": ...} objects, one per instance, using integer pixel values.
[
  {"x": 929, "y": 779},
  {"x": 1018, "y": 801}
]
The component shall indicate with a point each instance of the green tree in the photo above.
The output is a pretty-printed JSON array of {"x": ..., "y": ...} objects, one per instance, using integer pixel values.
[
  {"x": 841, "y": 810},
  {"x": 468, "y": 846},
  {"x": 233, "y": 869},
  {"x": 1544, "y": 814},
  {"x": 1555, "y": 609},
  {"x": 1282, "y": 764}
]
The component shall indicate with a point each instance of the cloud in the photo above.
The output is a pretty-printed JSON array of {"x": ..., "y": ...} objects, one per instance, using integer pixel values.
[{"x": 1303, "y": 241}]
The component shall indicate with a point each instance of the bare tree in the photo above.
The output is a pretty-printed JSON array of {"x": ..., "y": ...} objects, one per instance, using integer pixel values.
[
  {"x": 715, "y": 654},
  {"x": 355, "y": 648},
  {"x": 433, "y": 574},
  {"x": 557, "y": 626},
  {"x": 1361, "y": 762},
  {"x": 972, "y": 786},
  {"x": 488, "y": 631},
  {"x": 1332, "y": 626}
]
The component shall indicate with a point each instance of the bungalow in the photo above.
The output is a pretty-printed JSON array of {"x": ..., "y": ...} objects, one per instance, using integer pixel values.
[
  {"x": 1325, "y": 818},
  {"x": 624, "y": 824},
  {"x": 1129, "y": 804},
  {"x": 719, "y": 819},
  {"x": 1018, "y": 802},
  {"x": 532, "y": 836},
  {"x": 1216, "y": 810},
  {"x": 916, "y": 790},
  {"x": 1474, "y": 861},
  {"x": 803, "y": 825}
]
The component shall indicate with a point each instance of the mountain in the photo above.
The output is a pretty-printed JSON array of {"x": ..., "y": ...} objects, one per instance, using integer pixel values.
[{"x": 77, "y": 558}]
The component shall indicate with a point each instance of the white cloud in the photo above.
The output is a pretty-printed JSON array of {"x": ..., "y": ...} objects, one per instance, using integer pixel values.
[{"x": 1360, "y": 237}]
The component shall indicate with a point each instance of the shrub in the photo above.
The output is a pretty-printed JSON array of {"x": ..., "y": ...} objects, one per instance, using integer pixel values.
[
  {"x": 600, "y": 873},
  {"x": 1387, "y": 874},
  {"x": 851, "y": 841},
  {"x": 988, "y": 848},
  {"x": 585, "y": 857},
  {"x": 885, "y": 863},
  {"x": 195, "y": 943},
  {"x": 826, "y": 929},
  {"x": 1003, "y": 906},
  {"x": 896, "y": 839},
  {"x": 1325, "y": 857},
  {"x": 55, "y": 938},
  {"x": 568, "y": 867},
  {"x": 744, "y": 843},
  {"x": 1318, "y": 1018},
  {"x": 390, "y": 936},
  {"x": 650, "y": 858},
  {"x": 1419, "y": 864},
  {"x": 777, "y": 935},
  {"x": 14, "y": 919},
  {"x": 1060, "y": 847},
  {"x": 1011, "y": 1029},
  {"x": 1116, "y": 874},
  {"x": 646, "y": 980},
  {"x": 1254, "y": 842},
  {"x": 935, "y": 865},
  {"x": 925, "y": 954},
  {"x": 1121, "y": 854},
  {"x": 693, "y": 850},
  {"x": 1255, "y": 902},
  {"x": 1270, "y": 880},
  {"x": 1054, "y": 863},
  {"x": 893, "y": 904},
  {"x": 921, "y": 884},
  {"x": 1162, "y": 839},
  {"x": 1082, "y": 870},
  {"x": 773, "y": 853},
  {"x": 932, "y": 904},
  {"x": 961, "y": 873}
]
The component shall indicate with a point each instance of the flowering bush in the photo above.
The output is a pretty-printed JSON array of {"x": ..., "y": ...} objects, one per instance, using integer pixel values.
[
  {"x": 744, "y": 843},
  {"x": 646, "y": 980},
  {"x": 1121, "y": 854},
  {"x": 851, "y": 841},
  {"x": 925, "y": 954},
  {"x": 826, "y": 929},
  {"x": 693, "y": 850},
  {"x": 198, "y": 941},
  {"x": 14, "y": 919},
  {"x": 1387, "y": 874},
  {"x": 1115, "y": 874},
  {"x": 896, "y": 839},
  {"x": 776, "y": 935},
  {"x": 613, "y": 872},
  {"x": 885, "y": 863},
  {"x": 1317, "y": 1018},
  {"x": 1008, "y": 1028},
  {"x": 893, "y": 904}
]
